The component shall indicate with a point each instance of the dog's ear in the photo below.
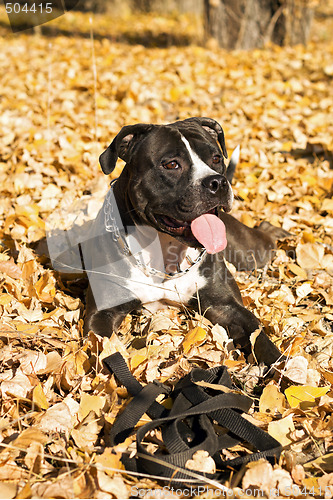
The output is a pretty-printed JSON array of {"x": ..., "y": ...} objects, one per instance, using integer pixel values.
[
  {"x": 214, "y": 129},
  {"x": 233, "y": 163},
  {"x": 122, "y": 145}
]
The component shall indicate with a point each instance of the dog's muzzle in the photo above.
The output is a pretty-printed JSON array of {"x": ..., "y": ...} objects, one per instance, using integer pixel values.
[{"x": 216, "y": 184}]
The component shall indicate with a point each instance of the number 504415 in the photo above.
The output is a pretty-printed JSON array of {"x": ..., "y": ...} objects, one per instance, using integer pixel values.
[{"x": 17, "y": 8}]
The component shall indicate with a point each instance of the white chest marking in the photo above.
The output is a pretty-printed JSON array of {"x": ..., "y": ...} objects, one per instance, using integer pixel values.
[
  {"x": 155, "y": 293},
  {"x": 200, "y": 169}
]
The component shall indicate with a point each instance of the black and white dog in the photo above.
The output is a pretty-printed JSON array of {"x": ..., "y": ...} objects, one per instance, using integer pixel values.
[{"x": 161, "y": 235}]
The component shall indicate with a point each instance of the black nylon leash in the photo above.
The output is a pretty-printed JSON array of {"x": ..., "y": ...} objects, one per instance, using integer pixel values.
[{"x": 189, "y": 426}]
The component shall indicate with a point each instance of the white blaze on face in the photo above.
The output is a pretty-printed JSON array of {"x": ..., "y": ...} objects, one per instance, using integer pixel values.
[{"x": 200, "y": 169}]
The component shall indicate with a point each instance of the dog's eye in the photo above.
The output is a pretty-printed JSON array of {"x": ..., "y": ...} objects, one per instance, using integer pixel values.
[
  {"x": 171, "y": 165},
  {"x": 216, "y": 159}
]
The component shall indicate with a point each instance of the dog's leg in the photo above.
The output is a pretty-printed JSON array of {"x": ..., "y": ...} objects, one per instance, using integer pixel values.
[
  {"x": 224, "y": 306},
  {"x": 104, "y": 322}
]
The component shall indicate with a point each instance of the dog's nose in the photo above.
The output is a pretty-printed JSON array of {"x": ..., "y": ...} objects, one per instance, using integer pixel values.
[{"x": 215, "y": 183}]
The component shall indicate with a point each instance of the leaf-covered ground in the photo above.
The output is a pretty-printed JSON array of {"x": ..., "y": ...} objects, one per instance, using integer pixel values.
[{"x": 62, "y": 101}]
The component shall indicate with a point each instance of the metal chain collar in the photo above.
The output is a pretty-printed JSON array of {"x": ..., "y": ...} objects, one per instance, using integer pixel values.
[{"x": 111, "y": 227}]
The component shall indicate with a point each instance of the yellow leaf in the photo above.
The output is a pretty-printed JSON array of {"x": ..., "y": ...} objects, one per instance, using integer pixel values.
[
  {"x": 307, "y": 237},
  {"x": 25, "y": 492},
  {"x": 109, "y": 460},
  {"x": 102, "y": 102},
  {"x": 231, "y": 363},
  {"x": 272, "y": 400},
  {"x": 139, "y": 357},
  {"x": 28, "y": 215},
  {"x": 45, "y": 288},
  {"x": 298, "y": 271},
  {"x": 26, "y": 328},
  {"x": 193, "y": 338},
  {"x": 30, "y": 211},
  {"x": 28, "y": 269},
  {"x": 310, "y": 180},
  {"x": 327, "y": 205},
  {"x": 328, "y": 375},
  {"x": 287, "y": 146},
  {"x": 39, "y": 397},
  {"x": 251, "y": 180},
  {"x": 243, "y": 193},
  {"x": 174, "y": 94},
  {"x": 246, "y": 219},
  {"x": 90, "y": 403},
  {"x": 304, "y": 397},
  {"x": 311, "y": 484},
  {"x": 281, "y": 429},
  {"x": 324, "y": 462},
  {"x": 81, "y": 362},
  {"x": 5, "y": 299},
  {"x": 30, "y": 435}
]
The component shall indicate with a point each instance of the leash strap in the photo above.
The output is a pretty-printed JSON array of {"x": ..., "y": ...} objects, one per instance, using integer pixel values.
[{"x": 201, "y": 418}]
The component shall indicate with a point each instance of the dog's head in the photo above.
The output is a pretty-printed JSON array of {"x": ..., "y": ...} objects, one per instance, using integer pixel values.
[{"x": 175, "y": 173}]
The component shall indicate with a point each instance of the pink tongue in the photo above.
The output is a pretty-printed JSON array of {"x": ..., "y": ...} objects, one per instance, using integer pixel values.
[{"x": 209, "y": 230}]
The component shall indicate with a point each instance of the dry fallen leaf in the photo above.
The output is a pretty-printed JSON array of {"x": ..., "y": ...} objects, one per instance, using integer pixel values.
[
  {"x": 272, "y": 400},
  {"x": 324, "y": 462},
  {"x": 298, "y": 474},
  {"x": 34, "y": 457},
  {"x": 139, "y": 357},
  {"x": 296, "y": 369},
  {"x": 61, "y": 487},
  {"x": 194, "y": 338},
  {"x": 90, "y": 403},
  {"x": 86, "y": 432},
  {"x": 32, "y": 362},
  {"x": 9, "y": 267},
  {"x": 277, "y": 104},
  {"x": 39, "y": 397},
  {"x": 258, "y": 475},
  {"x": 282, "y": 429},
  {"x": 109, "y": 461},
  {"x": 310, "y": 255},
  {"x": 8, "y": 490},
  {"x": 304, "y": 396},
  {"x": 202, "y": 462},
  {"x": 19, "y": 386},
  {"x": 115, "y": 485},
  {"x": 58, "y": 418}
]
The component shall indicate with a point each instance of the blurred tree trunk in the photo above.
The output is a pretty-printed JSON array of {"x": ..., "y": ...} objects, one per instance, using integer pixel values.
[
  {"x": 143, "y": 5},
  {"x": 245, "y": 24}
]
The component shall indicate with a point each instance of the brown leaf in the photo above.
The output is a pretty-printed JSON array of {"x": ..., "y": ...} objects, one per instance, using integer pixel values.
[
  {"x": 57, "y": 418},
  {"x": 86, "y": 433},
  {"x": 10, "y": 268},
  {"x": 8, "y": 490},
  {"x": 310, "y": 255},
  {"x": 258, "y": 475}
]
